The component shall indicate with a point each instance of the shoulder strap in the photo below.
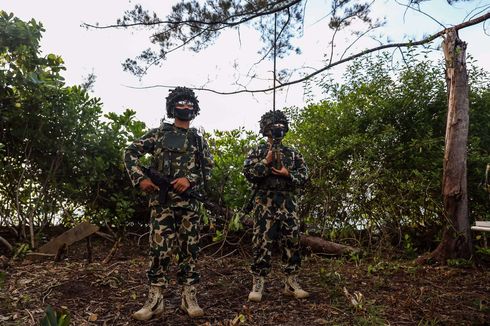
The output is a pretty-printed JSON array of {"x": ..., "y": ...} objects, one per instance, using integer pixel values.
[{"x": 160, "y": 131}]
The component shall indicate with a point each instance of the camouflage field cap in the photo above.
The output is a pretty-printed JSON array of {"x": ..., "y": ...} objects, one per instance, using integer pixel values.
[
  {"x": 272, "y": 117},
  {"x": 179, "y": 94}
]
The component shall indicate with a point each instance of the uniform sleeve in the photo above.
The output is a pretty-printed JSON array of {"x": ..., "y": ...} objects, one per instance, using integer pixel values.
[
  {"x": 299, "y": 173},
  {"x": 207, "y": 161},
  {"x": 134, "y": 151},
  {"x": 255, "y": 167}
]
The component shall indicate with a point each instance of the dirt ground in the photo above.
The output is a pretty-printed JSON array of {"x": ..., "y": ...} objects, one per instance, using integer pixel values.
[{"x": 344, "y": 291}]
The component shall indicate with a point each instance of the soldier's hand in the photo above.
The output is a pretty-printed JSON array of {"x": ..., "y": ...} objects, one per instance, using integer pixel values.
[
  {"x": 268, "y": 157},
  {"x": 282, "y": 171},
  {"x": 148, "y": 186},
  {"x": 181, "y": 184}
]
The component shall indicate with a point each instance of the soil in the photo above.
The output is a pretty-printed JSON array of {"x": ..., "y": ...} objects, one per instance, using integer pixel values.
[{"x": 343, "y": 290}]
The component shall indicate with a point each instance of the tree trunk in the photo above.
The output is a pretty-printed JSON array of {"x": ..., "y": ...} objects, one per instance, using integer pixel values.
[
  {"x": 31, "y": 231},
  {"x": 456, "y": 239}
]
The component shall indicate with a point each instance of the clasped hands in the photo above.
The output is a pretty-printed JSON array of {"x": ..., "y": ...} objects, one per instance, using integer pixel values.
[
  {"x": 180, "y": 185},
  {"x": 280, "y": 172}
]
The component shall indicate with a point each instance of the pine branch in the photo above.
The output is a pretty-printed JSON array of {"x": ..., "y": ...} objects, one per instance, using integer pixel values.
[{"x": 333, "y": 64}]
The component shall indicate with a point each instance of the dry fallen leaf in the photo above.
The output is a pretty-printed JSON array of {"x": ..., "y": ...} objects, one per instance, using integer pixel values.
[{"x": 92, "y": 317}]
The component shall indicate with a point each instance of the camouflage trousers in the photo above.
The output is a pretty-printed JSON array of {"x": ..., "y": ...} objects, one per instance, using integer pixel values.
[
  {"x": 173, "y": 232},
  {"x": 275, "y": 221}
]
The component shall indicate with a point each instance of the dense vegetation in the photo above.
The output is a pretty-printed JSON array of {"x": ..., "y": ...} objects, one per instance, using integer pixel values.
[
  {"x": 59, "y": 159},
  {"x": 374, "y": 147}
]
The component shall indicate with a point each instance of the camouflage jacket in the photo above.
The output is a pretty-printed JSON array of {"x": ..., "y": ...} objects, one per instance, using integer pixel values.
[
  {"x": 175, "y": 153},
  {"x": 258, "y": 172}
]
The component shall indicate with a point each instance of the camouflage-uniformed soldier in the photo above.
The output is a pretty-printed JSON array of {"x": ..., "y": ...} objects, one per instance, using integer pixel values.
[
  {"x": 275, "y": 217},
  {"x": 181, "y": 154}
]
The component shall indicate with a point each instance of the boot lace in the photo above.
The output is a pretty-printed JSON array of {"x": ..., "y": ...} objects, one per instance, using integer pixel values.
[
  {"x": 153, "y": 298},
  {"x": 258, "y": 284},
  {"x": 190, "y": 294}
]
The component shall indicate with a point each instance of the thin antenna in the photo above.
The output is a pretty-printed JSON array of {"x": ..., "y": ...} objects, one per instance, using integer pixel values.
[{"x": 274, "y": 72}]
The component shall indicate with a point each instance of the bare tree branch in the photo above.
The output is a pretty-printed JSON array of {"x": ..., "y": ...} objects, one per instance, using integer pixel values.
[
  {"x": 426, "y": 40},
  {"x": 473, "y": 13},
  {"x": 358, "y": 38},
  {"x": 421, "y": 12}
]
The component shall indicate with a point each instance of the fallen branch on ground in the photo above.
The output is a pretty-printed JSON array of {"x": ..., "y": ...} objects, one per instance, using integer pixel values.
[
  {"x": 112, "y": 252},
  {"x": 319, "y": 245}
]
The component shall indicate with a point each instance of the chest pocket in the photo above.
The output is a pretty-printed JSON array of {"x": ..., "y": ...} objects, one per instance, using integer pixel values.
[
  {"x": 173, "y": 141},
  {"x": 174, "y": 153}
]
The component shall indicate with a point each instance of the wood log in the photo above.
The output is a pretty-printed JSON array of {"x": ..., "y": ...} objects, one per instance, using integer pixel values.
[
  {"x": 39, "y": 254},
  {"x": 319, "y": 245},
  {"x": 34, "y": 257},
  {"x": 77, "y": 233}
]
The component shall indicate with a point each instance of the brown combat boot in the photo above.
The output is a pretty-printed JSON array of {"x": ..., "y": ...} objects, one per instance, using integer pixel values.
[
  {"x": 292, "y": 287},
  {"x": 257, "y": 288},
  {"x": 189, "y": 302},
  {"x": 153, "y": 305}
]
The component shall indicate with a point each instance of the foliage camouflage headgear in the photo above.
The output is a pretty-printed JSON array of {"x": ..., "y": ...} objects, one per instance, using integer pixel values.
[
  {"x": 180, "y": 94},
  {"x": 272, "y": 117}
]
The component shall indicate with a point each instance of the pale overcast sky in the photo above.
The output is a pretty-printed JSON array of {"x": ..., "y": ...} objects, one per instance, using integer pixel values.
[{"x": 102, "y": 51}]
